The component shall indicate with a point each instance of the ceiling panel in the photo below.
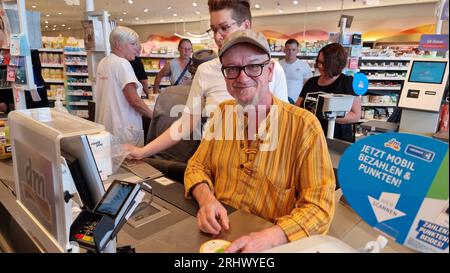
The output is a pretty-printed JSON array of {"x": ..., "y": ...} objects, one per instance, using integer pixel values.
[{"x": 169, "y": 11}]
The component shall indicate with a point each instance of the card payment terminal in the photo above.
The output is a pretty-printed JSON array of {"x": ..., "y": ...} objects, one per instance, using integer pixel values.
[{"x": 93, "y": 230}]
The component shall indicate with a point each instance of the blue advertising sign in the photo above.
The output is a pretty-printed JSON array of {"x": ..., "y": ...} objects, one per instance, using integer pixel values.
[
  {"x": 398, "y": 183},
  {"x": 434, "y": 42},
  {"x": 360, "y": 83}
]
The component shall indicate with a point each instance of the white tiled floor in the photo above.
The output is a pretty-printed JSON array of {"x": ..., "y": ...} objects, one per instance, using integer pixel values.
[{"x": 351, "y": 229}]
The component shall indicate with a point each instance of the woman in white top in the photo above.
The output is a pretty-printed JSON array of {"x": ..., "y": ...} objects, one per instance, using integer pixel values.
[
  {"x": 118, "y": 103},
  {"x": 176, "y": 69}
]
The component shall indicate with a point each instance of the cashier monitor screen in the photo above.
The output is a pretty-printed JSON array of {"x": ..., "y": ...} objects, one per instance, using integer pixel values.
[
  {"x": 427, "y": 72},
  {"x": 83, "y": 168}
]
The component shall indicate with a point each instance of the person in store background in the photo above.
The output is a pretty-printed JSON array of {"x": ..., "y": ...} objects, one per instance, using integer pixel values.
[
  {"x": 118, "y": 103},
  {"x": 297, "y": 71},
  {"x": 141, "y": 75},
  {"x": 330, "y": 62},
  {"x": 285, "y": 176},
  {"x": 176, "y": 69},
  {"x": 208, "y": 85}
]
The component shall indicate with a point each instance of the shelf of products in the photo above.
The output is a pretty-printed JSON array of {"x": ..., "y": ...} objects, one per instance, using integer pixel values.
[
  {"x": 78, "y": 85},
  {"x": 4, "y": 61},
  {"x": 386, "y": 70},
  {"x": 52, "y": 69},
  {"x": 153, "y": 63},
  {"x": 65, "y": 70}
]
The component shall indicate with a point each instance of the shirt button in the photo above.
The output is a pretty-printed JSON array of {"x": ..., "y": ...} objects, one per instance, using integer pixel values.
[{"x": 241, "y": 166}]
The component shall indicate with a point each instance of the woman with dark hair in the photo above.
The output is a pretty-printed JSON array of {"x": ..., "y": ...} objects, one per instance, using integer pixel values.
[
  {"x": 330, "y": 62},
  {"x": 176, "y": 69}
]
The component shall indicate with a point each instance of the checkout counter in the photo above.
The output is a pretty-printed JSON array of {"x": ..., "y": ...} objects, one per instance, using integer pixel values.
[
  {"x": 167, "y": 225},
  {"x": 171, "y": 225}
]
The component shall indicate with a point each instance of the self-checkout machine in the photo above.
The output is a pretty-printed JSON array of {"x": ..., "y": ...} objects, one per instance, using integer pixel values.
[{"x": 422, "y": 95}]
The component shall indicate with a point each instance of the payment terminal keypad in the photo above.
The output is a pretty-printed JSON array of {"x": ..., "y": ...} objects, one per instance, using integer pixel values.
[{"x": 86, "y": 233}]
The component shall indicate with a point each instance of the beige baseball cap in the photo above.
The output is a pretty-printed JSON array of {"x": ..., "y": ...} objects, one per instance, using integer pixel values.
[{"x": 245, "y": 37}]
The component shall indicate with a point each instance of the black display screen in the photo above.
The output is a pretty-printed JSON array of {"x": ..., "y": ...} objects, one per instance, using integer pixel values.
[{"x": 115, "y": 197}]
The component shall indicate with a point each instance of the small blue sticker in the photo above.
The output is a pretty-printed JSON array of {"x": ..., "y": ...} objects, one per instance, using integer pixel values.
[{"x": 360, "y": 84}]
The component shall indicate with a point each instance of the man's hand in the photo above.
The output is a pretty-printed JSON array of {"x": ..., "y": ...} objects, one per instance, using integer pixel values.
[
  {"x": 135, "y": 152},
  {"x": 212, "y": 217},
  {"x": 258, "y": 241}
]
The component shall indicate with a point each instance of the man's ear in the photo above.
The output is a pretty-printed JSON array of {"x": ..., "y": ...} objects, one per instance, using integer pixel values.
[
  {"x": 271, "y": 68},
  {"x": 247, "y": 24}
]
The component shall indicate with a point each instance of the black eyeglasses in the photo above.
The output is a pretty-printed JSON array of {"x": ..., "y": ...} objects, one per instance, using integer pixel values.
[{"x": 251, "y": 70}]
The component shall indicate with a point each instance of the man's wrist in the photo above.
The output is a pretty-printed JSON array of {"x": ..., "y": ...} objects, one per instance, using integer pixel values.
[
  {"x": 202, "y": 193},
  {"x": 279, "y": 237}
]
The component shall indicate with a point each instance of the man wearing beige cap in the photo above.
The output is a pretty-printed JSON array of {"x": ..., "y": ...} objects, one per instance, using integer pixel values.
[{"x": 275, "y": 166}]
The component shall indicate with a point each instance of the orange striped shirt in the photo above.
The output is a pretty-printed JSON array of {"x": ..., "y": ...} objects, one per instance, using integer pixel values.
[{"x": 291, "y": 185}]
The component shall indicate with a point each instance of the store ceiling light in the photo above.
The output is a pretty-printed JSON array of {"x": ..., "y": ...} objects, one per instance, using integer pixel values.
[
  {"x": 59, "y": 13},
  {"x": 319, "y": 7},
  {"x": 257, "y": 6},
  {"x": 124, "y": 13},
  {"x": 204, "y": 35},
  {"x": 175, "y": 15},
  {"x": 33, "y": 6},
  {"x": 69, "y": 28},
  {"x": 197, "y": 12},
  {"x": 121, "y": 20},
  {"x": 145, "y": 10},
  {"x": 280, "y": 10},
  {"x": 169, "y": 7},
  {"x": 46, "y": 22},
  {"x": 162, "y": 20},
  {"x": 195, "y": 39},
  {"x": 295, "y": 2},
  {"x": 47, "y": 15},
  {"x": 63, "y": 25},
  {"x": 130, "y": 1},
  {"x": 137, "y": 18},
  {"x": 194, "y": 4}
]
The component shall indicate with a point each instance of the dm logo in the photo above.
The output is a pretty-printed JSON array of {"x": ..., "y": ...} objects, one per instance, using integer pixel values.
[
  {"x": 35, "y": 189},
  {"x": 393, "y": 144}
]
